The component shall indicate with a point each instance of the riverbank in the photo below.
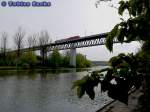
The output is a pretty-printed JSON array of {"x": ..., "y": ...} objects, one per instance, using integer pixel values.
[
  {"x": 116, "y": 106},
  {"x": 27, "y": 68},
  {"x": 41, "y": 67},
  {"x": 47, "y": 69}
]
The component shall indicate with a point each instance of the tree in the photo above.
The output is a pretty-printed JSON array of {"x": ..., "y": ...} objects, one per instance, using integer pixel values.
[
  {"x": 4, "y": 39},
  {"x": 81, "y": 58},
  {"x": 32, "y": 40},
  {"x": 129, "y": 67},
  {"x": 66, "y": 59},
  {"x": 18, "y": 40},
  {"x": 56, "y": 58},
  {"x": 28, "y": 59},
  {"x": 136, "y": 27},
  {"x": 43, "y": 40}
]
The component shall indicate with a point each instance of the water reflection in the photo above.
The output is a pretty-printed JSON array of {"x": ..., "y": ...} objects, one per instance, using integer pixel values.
[{"x": 44, "y": 91}]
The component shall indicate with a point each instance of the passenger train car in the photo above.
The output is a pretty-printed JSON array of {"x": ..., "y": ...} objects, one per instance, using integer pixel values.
[
  {"x": 102, "y": 35},
  {"x": 67, "y": 39}
]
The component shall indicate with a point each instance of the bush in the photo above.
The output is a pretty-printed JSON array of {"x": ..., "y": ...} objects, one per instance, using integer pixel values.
[
  {"x": 28, "y": 58},
  {"x": 82, "y": 62},
  {"x": 56, "y": 58}
]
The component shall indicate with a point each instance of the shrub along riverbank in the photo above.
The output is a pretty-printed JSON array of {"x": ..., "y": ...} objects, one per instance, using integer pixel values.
[{"x": 30, "y": 60}]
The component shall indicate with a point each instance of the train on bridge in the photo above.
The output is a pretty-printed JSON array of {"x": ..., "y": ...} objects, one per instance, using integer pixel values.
[
  {"x": 67, "y": 39},
  {"x": 78, "y": 38}
]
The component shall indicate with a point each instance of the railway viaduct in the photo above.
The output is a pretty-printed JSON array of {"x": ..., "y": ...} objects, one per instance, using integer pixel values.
[{"x": 87, "y": 41}]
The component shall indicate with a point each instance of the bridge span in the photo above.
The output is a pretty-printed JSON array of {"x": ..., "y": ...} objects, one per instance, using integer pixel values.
[{"x": 87, "y": 41}]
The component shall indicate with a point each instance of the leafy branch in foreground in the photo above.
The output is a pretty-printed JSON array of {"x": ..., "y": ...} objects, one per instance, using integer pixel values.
[
  {"x": 136, "y": 27},
  {"x": 127, "y": 71},
  {"x": 117, "y": 80}
]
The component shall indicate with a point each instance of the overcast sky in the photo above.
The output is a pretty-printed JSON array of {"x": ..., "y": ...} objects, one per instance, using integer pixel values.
[{"x": 66, "y": 18}]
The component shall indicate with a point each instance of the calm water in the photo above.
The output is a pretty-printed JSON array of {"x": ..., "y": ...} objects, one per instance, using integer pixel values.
[{"x": 45, "y": 91}]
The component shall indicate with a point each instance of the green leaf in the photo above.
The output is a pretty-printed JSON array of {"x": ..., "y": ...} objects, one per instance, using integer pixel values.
[
  {"x": 132, "y": 9},
  {"x": 123, "y": 72},
  {"x": 115, "y": 61},
  {"x": 109, "y": 74},
  {"x": 121, "y": 7},
  {"x": 109, "y": 42},
  {"x": 114, "y": 30},
  {"x": 90, "y": 92},
  {"x": 104, "y": 69},
  {"x": 80, "y": 82},
  {"x": 121, "y": 34},
  {"x": 110, "y": 38},
  {"x": 80, "y": 91}
]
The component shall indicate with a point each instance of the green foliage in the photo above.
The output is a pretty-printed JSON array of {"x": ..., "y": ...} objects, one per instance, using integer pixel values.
[
  {"x": 28, "y": 59},
  {"x": 123, "y": 68},
  {"x": 8, "y": 60},
  {"x": 136, "y": 27},
  {"x": 127, "y": 71},
  {"x": 110, "y": 37},
  {"x": 109, "y": 42},
  {"x": 123, "y": 5},
  {"x": 56, "y": 58},
  {"x": 81, "y": 61},
  {"x": 86, "y": 85},
  {"x": 66, "y": 59}
]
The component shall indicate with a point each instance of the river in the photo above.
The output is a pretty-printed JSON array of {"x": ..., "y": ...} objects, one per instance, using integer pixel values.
[{"x": 46, "y": 91}]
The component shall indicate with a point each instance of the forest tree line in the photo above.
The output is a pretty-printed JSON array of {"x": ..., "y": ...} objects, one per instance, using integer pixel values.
[{"x": 30, "y": 59}]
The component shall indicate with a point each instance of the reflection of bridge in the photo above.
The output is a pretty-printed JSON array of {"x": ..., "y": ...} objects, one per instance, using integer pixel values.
[{"x": 86, "y": 41}]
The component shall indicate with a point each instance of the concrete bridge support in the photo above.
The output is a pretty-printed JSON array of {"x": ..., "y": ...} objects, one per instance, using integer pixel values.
[{"x": 73, "y": 57}]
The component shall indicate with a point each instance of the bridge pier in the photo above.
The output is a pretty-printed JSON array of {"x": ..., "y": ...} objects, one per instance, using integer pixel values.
[{"x": 73, "y": 57}]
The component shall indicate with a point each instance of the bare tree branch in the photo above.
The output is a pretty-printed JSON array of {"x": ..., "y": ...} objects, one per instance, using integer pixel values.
[
  {"x": 4, "y": 40},
  {"x": 44, "y": 38},
  {"x": 18, "y": 39},
  {"x": 32, "y": 40}
]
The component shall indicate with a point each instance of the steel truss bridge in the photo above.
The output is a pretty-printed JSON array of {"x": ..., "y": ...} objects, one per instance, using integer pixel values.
[{"x": 87, "y": 41}]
